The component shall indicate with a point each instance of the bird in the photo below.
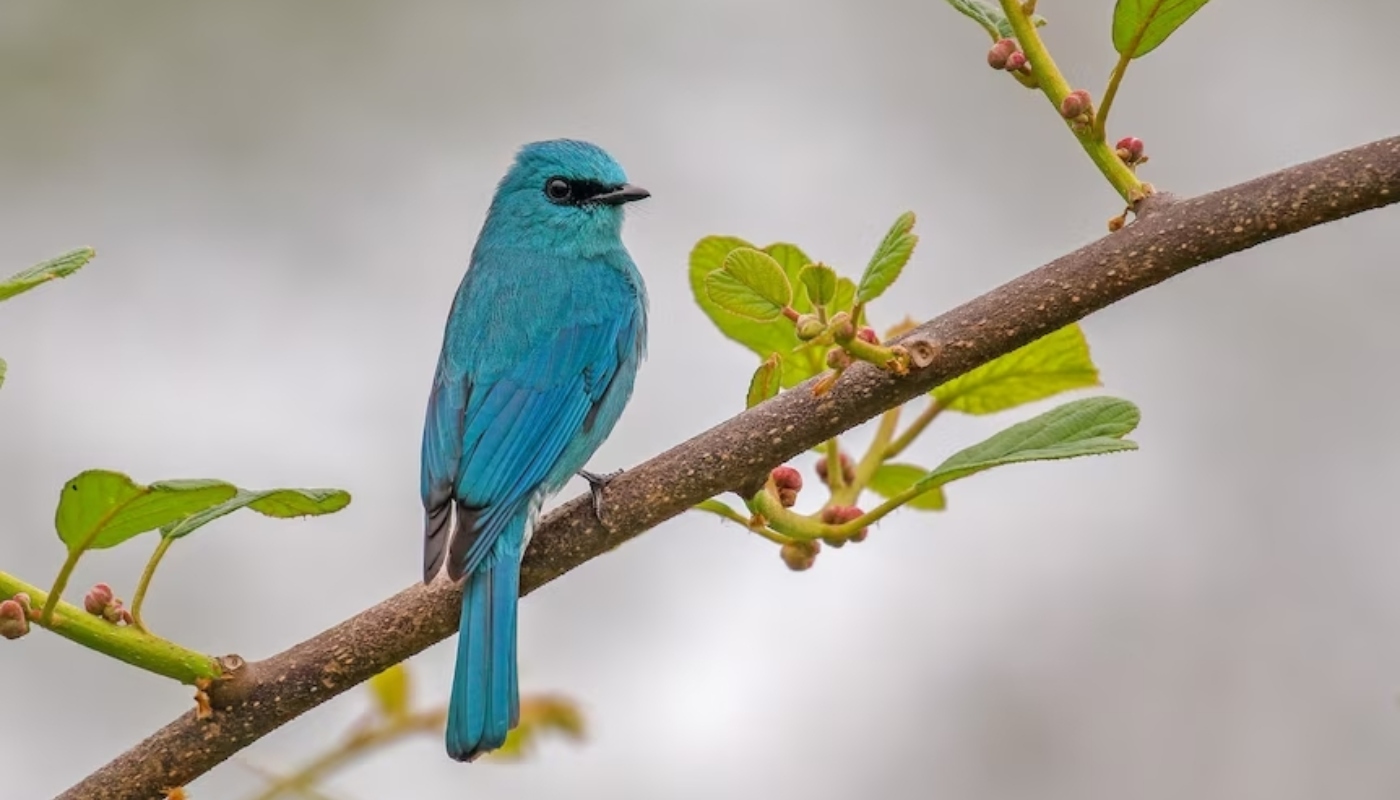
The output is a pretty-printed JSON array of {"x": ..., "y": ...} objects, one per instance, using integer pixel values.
[{"x": 539, "y": 355}]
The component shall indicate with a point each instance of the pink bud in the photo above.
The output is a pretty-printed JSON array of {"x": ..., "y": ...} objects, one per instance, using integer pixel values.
[
  {"x": 1016, "y": 61},
  {"x": 789, "y": 483},
  {"x": 840, "y": 515},
  {"x": 787, "y": 478},
  {"x": 97, "y": 599},
  {"x": 848, "y": 469},
  {"x": 14, "y": 619},
  {"x": 1000, "y": 52},
  {"x": 1076, "y": 103},
  {"x": 867, "y": 335},
  {"x": 1132, "y": 144}
]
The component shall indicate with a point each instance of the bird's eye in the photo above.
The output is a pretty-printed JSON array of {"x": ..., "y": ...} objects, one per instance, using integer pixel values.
[{"x": 558, "y": 190}]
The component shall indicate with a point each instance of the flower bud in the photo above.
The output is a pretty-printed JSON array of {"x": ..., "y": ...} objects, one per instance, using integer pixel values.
[
  {"x": 840, "y": 515},
  {"x": 14, "y": 619},
  {"x": 1076, "y": 103},
  {"x": 800, "y": 555},
  {"x": 1131, "y": 144},
  {"x": 1000, "y": 52},
  {"x": 867, "y": 334},
  {"x": 848, "y": 469},
  {"x": 1016, "y": 62},
  {"x": 836, "y": 358},
  {"x": 98, "y": 598},
  {"x": 789, "y": 483},
  {"x": 809, "y": 327}
]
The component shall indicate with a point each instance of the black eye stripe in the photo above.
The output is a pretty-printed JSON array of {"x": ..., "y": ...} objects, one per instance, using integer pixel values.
[{"x": 579, "y": 190}]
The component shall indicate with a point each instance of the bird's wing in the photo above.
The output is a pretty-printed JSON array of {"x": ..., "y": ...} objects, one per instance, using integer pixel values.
[{"x": 491, "y": 446}]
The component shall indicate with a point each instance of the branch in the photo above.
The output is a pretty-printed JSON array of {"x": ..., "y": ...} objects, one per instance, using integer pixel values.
[{"x": 1170, "y": 238}]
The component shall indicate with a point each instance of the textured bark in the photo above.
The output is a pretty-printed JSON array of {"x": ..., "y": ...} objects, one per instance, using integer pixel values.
[{"x": 1170, "y": 238}]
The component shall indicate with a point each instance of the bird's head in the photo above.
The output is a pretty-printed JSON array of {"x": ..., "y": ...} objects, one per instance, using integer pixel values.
[{"x": 563, "y": 194}]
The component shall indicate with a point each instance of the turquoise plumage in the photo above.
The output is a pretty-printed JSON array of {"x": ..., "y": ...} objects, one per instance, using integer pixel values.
[{"x": 539, "y": 356}]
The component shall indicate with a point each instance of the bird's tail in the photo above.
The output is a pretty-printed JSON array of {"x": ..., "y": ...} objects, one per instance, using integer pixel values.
[{"x": 485, "y": 701}]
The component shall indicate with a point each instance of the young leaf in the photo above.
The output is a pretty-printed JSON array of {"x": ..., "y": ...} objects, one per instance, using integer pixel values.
[
  {"x": 1054, "y": 363},
  {"x": 761, "y": 337},
  {"x": 1085, "y": 427},
  {"x": 60, "y": 267},
  {"x": 990, "y": 17},
  {"x": 890, "y": 257},
  {"x": 100, "y": 509},
  {"x": 891, "y": 479},
  {"x": 281, "y": 503},
  {"x": 391, "y": 689},
  {"x": 750, "y": 284},
  {"x": 766, "y": 380},
  {"x": 1139, "y": 26},
  {"x": 820, "y": 282}
]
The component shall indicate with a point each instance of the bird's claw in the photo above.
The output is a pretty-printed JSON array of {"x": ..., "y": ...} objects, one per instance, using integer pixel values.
[{"x": 596, "y": 483}]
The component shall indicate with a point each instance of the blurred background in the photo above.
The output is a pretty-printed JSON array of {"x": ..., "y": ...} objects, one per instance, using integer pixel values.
[{"x": 283, "y": 198}]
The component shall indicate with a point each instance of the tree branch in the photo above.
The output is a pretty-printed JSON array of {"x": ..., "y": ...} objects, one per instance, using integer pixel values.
[{"x": 1169, "y": 238}]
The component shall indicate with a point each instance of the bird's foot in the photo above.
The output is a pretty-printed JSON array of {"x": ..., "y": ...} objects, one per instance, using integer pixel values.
[{"x": 596, "y": 484}]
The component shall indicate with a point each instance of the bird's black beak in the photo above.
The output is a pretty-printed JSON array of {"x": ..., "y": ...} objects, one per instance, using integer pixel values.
[{"x": 625, "y": 193}]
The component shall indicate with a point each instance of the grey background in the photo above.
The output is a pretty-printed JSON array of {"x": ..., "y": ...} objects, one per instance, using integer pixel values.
[{"x": 283, "y": 197}]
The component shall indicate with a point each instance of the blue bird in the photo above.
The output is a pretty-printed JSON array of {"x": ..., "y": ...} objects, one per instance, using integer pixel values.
[{"x": 539, "y": 355}]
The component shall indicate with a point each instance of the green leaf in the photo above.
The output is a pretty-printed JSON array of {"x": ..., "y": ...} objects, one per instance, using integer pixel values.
[
  {"x": 100, "y": 509},
  {"x": 1085, "y": 427},
  {"x": 60, "y": 267},
  {"x": 1139, "y": 26},
  {"x": 761, "y": 337},
  {"x": 990, "y": 17},
  {"x": 281, "y": 503},
  {"x": 765, "y": 381},
  {"x": 750, "y": 284},
  {"x": 891, "y": 479},
  {"x": 392, "y": 690},
  {"x": 1054, "y": 363},
  {"x": 889, "y": 259},
  {"x": 820, "y": 282}
]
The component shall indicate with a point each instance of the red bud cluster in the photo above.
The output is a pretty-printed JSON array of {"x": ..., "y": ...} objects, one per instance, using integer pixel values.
[
  {"x": 789, "y": 483},
  {"x": 1007, "y": 55},
  {"x": 840, "y": 515},
  {"x": 14, "y": 616},
  {"x": 1129, "y": 149},
  {"x": 101, "y": 602}
]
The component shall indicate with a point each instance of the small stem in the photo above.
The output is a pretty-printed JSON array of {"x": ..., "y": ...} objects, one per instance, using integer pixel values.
[
  {"x": 915, "y": 428},
  {"x": 1116, "y": 78},
  {"x": 59, "y": 584},
  {"x": 1056, "y": 89},
  {"x": 145, "y": 583},
  {"x": 723, "y": 510},
  {"x": 358, "y": 743},
  {"x": 880, "y": 356},
  {"x": 847, "y": 529},
  {"x": 835, "y": 477},
  {"x": 121, "y": 642},
  {"x": 786, "y": 521},
  {"x": 871, "y": 461}
]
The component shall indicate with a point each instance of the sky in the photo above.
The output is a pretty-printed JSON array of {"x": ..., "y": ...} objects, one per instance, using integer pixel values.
[{"x": 283, "y": 198}]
